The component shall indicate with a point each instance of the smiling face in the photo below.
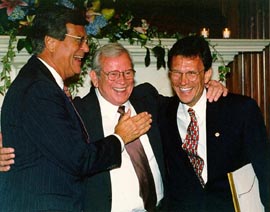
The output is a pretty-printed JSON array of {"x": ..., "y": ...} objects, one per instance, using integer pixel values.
[
  {"x": 189, "y": 92},
  {"x": 118, "y": 91},
  {"x": 65, "y": 56}
]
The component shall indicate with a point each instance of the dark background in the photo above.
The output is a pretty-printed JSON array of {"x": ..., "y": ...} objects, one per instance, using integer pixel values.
[{"x": 245, "y": 18}]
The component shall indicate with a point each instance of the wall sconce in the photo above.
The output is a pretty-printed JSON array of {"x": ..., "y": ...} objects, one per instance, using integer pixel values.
[
  {"x": 205, "y": 32},
  {"x": 226, "y": 33}
]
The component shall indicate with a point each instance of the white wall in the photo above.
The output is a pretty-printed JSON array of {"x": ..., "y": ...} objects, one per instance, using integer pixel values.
[{"x": 226, "y": 47}]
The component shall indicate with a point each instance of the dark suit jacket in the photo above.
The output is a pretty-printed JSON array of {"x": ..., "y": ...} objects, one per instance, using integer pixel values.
[
  {"x": 242, "y": 139},
  {"x": 52, "y": 155},
  {"x": 143, "y": 98}
]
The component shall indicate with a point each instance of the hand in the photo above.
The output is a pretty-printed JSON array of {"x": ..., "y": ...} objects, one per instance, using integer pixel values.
[
  {"x": 214, "y": 90},
  {"x": 130, "y": 128},
  {"x": 6, "y": 157}
]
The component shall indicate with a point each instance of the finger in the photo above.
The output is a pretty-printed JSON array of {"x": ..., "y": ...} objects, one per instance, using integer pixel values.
[
  {"x": 5, "y": 157},
  {"x": 210, "y": 94},
  {"x": 125, "y": 116},
  {"x": 139, "y": 116},
  {"x": 1, "y": 141},
  {"x": 226, "y": 91},
  {"x": 145, "y": 116},
  {"x": 4, "y": 168},
  {"x": 6, "y": 162},
  {"x": 6, "y": 150}
]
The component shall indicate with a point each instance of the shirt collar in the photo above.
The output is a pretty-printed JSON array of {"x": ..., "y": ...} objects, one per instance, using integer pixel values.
[
  {"x": 56, "y": 76},
  {"x": 199, "y": 107},
  {"x": 107, "y": 107}
]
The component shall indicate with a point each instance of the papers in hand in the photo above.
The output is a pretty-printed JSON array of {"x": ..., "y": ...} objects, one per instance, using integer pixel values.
[{"x": 245, "y": 190}]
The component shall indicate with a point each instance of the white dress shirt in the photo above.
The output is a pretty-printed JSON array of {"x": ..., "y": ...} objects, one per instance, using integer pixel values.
[
  {"x": 124, "y": 181},
  {"x": 55, "y": 74},
  {"x": 183, "y": 120}
]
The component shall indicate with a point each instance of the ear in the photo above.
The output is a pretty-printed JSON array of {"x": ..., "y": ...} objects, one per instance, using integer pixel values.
[
  {"x": 208, "y": 75},
  {"x": 50, "y": 43},
  {"x": 94, "y": 78}
]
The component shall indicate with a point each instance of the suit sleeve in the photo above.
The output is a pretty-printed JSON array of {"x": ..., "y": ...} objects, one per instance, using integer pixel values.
[
  {"x": 257, "y": 147},
  {"x": 53, "y": 126}
]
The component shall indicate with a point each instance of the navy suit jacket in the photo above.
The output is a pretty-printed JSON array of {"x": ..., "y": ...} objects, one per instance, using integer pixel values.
[
  {"x": 241, "y": 140},
  {"x": 143, "y": 98},
  {"x": 53, "y": 157}
]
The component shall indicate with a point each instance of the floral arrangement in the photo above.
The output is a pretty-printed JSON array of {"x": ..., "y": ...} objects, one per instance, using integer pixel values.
[{"x": 17, "y": 17}]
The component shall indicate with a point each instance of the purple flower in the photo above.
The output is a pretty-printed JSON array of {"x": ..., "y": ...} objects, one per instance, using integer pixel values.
[{"x": 11, "y": 5}]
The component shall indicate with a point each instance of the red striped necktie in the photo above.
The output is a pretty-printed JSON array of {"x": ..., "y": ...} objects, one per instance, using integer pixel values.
[{"x": 191, "y": 146}]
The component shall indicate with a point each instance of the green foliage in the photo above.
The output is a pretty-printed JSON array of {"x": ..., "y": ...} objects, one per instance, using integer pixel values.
[
  {"x": 7, "y": 63},
  {"x": 118, "y": 27},
  {"x": 222, "y": 70}
]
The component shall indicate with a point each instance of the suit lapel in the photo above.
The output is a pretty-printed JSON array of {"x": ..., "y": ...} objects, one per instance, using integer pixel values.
[
  {"x": 213, "y": 140},
  {"x": 92, "y": 120}
]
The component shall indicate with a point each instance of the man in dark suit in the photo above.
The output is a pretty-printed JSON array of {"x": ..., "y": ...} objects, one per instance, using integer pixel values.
[
  {"x": 231, "y": 133},
  {"x": 113, "y": 81},
  {"x": 53, "y": 152}
]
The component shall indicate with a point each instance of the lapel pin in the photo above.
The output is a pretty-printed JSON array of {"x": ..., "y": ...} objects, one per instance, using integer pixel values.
[{"x": 217, "y": 134}]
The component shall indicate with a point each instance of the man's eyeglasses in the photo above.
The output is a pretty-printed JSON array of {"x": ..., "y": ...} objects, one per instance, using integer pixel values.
[
  {"x": 80, "y": 40},
  {"x": 114, "y": 75},
  {"x": 190, "y": 75}
]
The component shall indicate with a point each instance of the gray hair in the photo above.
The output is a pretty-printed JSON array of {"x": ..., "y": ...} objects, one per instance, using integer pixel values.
[{"x": 108, "y": 50}]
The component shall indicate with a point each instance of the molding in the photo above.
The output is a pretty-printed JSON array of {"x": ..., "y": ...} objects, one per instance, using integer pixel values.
[{"x": 228, "y": 48}]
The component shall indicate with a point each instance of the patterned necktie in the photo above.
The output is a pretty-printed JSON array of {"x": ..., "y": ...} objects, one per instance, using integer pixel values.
[
  {"x": 143, "y": 171},
  {"x": 191, "y": 145}
]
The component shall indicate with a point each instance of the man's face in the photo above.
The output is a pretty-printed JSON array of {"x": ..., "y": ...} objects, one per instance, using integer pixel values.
[
  {"x": 187, "y": 77},
  {"x": 118, "y": 91},
  {"x": 68, "y": 54}
]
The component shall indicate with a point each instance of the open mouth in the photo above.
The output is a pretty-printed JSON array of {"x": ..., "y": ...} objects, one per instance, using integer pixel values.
[
  {"x": 185, "y": 89},
  {"x": 119, "y": 89},
  {"x": 78, "y": 58}
]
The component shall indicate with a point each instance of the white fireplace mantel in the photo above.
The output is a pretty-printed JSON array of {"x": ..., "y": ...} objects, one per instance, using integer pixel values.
[{"x": 228, "y": 48}]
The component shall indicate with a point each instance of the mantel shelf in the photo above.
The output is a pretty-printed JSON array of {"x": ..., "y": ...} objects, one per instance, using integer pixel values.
[{"x": 228, "y": 48}]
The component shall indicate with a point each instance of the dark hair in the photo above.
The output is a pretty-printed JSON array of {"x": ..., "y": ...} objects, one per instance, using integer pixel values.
[
  {"x": 191, "y": 46},
  {"x": 52, "y": 22}
]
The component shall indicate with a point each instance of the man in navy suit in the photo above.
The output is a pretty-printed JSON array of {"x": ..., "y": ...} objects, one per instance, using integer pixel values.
[
  {"x": 113, "y": 82},
  {"x": 231, "y": 134},
  {"x": 54, "y": 154}
]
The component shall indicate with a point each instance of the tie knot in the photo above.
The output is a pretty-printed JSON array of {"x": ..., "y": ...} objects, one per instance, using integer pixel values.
[
  {"x": 191, "y": 112},
  {"x": 121, "y": 109}
]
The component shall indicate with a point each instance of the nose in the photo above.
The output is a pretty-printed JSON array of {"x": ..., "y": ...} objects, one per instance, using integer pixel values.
[
  {"x": 183, "y": 78},
  {"x": 121, "y": 78},
  {"x": 85, "y": 47}
]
